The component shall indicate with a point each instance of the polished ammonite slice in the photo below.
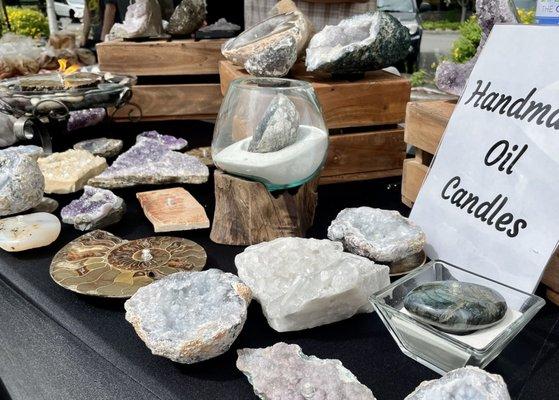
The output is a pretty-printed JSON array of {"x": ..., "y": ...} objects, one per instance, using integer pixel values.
[{"x": 101, "y": 264}]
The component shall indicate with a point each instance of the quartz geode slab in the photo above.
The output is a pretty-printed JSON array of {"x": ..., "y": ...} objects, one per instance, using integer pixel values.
[
  {"x": 102, "y": 147},
  {"x": 187, "y": 17},
  {"x": 278, "y": 128},
  {"x": 190, "y": 316},
  {"x": 152, "y": 160},
  {"x": 468, "y": 383},
  {"x": 365, "y": 42},
  {"x": 282, "y": 371},
  {"x": 381, "y": 235},
  {"x": 303, "y": 283},
  {"x": 96, "y": 208},
  {"x": 21, "y": 183}
]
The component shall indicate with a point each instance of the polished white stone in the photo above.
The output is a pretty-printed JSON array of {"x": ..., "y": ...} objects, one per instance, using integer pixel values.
[{"x": 29, "y": 231}]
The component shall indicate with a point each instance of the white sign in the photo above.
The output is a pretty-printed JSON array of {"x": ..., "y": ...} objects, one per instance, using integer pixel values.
[
  {"x": 490, "y": 203},
  {"x": 547, "y": 12}
]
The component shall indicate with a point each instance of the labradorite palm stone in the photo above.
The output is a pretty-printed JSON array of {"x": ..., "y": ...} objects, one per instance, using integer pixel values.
[{"x": 456, "y": 307}]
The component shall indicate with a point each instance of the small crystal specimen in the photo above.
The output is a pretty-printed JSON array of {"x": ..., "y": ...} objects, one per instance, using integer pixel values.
[
  {"x": 468, "y": 383},
  {"x": 275, "y": 61},
  {"x": 278, "y": 128},
  {"x": 187, "y": 17},
  {"x": 282, "y": 371},
  {"x": 365, "y": 42},
  {"x": 190, "y": 316},
  {"x": 84, "y": 118},
  {"x": 456, "y": 307},
  {"x": 381, "y": 235},
  {"x": 21, "y": 183},
  {"x": 173, "y": 210},
  {"x": 102, "y": 147},
  {"x": 452, "y": 77},
  {"x": 47, "y": 205},
  {"x": 69, "y": 171},
  {"x": 221, "y": 25},
  {"x": 303, "y": 283},
  {"x": 29, "y": 231},
  {"x": 96, "y": 208},
  {"x": 152, "y": 161}
]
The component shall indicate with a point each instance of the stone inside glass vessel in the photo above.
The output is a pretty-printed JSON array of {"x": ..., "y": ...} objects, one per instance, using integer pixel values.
[{"x": 456, "y": 307}]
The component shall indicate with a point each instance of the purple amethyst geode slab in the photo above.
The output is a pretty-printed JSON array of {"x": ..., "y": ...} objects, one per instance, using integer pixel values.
[
  {"x": 96, "y": 208},
  {"x": 152, "y": 160}
]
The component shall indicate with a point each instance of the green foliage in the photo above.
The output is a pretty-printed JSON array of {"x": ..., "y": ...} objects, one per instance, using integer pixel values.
[
  {"x": 27, "y": 21},
  {"x": 419, "y": 78},
  {"x": 527, "y": 17},
  {"x": 441, "y": 25},
  {"x": 465, "y": 46}
]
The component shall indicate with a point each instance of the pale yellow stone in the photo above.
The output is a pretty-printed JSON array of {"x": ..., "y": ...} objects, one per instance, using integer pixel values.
[{"x": 68, "y": 172}]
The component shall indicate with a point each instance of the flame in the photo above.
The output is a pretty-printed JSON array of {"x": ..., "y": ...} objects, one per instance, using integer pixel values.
[{"x": 62, "y": 62}]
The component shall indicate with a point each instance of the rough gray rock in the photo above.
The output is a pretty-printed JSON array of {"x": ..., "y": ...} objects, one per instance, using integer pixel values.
[
  {"x": 380, "y": 235},
  {"x": 365, "y": 42},
  {"x": 35, "y": 152},
  {"x": 221, "y": 25},
  {"x": 468, "y": 383},
  {"x": 101, "y": 147},
  {"x": 187, "y": 17},
  {"x": 190, "y": 316},
  {"x": 282, "y": 371},
  {"x": 95, "y": 209},
  {"x": 46, "y": 205},
  {"x": 274, "y": 61},
  {"x": 303, "y": 283},
  {"x": 278, "y": 128},
  {"x": 21, "y": 183}
]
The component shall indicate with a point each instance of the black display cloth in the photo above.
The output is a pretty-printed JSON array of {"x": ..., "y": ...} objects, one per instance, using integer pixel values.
[{"x": 58, "y": 344}]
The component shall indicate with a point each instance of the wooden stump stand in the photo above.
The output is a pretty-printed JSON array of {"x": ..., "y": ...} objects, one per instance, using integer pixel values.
[
  {"x": 177, "y": 79},
  {"x": 425, "y": 125},
  {"x": 247, "y": 213},
  {"x": 363, "y": 117}
]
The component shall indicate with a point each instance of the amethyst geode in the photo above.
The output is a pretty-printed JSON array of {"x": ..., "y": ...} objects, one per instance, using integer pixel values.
[
  {"x": 95, "y": 209},
  {"x": 152, "y": 160}
]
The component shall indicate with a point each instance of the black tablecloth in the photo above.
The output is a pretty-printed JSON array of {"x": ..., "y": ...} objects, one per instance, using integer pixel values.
[{"x": 55, "y": 344}]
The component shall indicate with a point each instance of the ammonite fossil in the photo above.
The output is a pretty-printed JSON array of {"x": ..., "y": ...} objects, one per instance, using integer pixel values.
[{"x": 101, "y": 264}]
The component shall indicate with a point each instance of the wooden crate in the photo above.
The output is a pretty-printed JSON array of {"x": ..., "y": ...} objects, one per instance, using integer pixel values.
[
  {"x": 425, "y": 125},
  {"x": 185, "y": 71}
]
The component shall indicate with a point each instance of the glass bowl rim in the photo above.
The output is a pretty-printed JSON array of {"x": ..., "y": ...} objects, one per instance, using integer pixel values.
[{"x": 294, "y": 84}]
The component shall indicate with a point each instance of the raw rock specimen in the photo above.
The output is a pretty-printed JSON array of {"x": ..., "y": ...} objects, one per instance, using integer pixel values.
[
  {"x": 190, "y": 316},
  {"x": 47, "y": 205},
  {"x": 365, "y": 42},
  {"x": 456, "y": 307},
  {"x": 381, "y": 235},
  {"x": 188, "y": 16},
  {"x": 278, "y": 128},
  {"x": 29, "y": 150},
  {"x": 152, "y": 161},
  {"x": 275, "y": 60},
  {"x": 221, "y": 25},
  {"x": 282, "y": 371},
  {"x": 101, "y": 264},
  {"x": 83, "y": 118},
  {"x": 142, "y": 19},
  {"x": 21, "y": 183},
  {"x": 468, "y": 383},
  {"x": 173, "y": 210},
  {"x": 303, "y": 283},
  {"x": 102, "y": 147},
  {"x": 29, "y": 231},
  {"x": 204, "y": 154},
  {"x": 69, "y": 171},
  {"x": 96, "y": 208},
  {"x": 451, "y": 77}
]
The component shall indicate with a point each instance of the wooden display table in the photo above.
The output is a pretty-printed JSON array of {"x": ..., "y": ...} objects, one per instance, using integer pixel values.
[
  {"x": 425, "y": 126},
  {"x": 177, "y": 79},
  {"x": 362, "y": 116}
]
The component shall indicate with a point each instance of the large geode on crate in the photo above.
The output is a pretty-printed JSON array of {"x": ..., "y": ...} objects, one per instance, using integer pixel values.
[
  {"x": 365, "y": 42},
  {"x": 21, "y": 182},
  {"x": 187, "y": 17}
]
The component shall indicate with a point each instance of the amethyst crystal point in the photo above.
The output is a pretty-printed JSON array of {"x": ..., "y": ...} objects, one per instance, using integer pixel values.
[
  {"x": 96, "y": 208},
  {"x": 452, "y": 77},
  {"x": 152, "y": 161}
]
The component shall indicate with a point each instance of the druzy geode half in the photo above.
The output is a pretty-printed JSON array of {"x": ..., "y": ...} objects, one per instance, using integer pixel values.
[{"x": 365, "y": 42}]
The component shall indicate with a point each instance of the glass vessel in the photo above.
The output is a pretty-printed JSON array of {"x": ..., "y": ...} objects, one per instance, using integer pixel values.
[
  {"x": 270, "y": 130},
  {"x": 440, "y": 351}
]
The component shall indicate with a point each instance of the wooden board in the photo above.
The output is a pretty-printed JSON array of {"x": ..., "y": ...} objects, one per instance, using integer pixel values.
[
  {"x": 163, "y": 102},
  {"x": 364, "y": 155},
  {"x": 379, "y": 98},
  {"x": 413, "y": 174},
  {"x": 157, "y": 58},
  {"x": 426, "y": 122}
]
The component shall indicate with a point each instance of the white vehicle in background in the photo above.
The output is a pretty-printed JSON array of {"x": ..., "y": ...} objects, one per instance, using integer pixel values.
[{"x": 72, "y": 9}]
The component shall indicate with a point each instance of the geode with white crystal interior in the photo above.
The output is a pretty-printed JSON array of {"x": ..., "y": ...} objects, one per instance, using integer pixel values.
[
  {"x": 380, "y": 235},
  {"x": 21, "y": 182},
  {"x": 278, "y": 128},
  {"x": 187, "y": 17},
  {"x": 468, "y": 383},
  {"x": 282, "y": 371},
  {"x": 152, "y": 160},
  {"x": 365, "y": 42},
  {"x": 274, "y": 61},
  {"x": 303, "y": 283},
  {"x": 190, "y": 316},
  {"x": 96, "y": 208}
]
